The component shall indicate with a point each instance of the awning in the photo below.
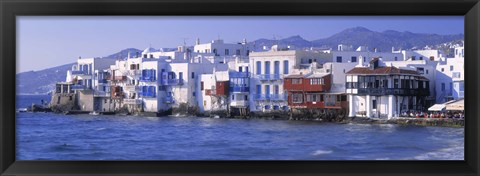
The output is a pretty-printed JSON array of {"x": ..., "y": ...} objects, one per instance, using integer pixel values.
[
  {"x": 456, "y": 106},
  {"x": 437, "y": 107}
]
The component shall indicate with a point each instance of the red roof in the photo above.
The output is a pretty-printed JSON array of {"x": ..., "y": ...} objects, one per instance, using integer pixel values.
[{"x": 380, "y": 71}]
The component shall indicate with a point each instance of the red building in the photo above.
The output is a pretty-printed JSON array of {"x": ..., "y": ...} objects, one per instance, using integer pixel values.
[
  {"x": 313, "y": 91},
  {"x": 221, "y": 89}
]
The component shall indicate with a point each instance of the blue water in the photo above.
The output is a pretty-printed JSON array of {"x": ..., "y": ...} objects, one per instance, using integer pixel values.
[{"x": 47, "y": 136}]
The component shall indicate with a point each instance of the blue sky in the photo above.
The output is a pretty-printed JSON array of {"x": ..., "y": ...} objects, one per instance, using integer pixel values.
[{"x": 44, "y": 42}]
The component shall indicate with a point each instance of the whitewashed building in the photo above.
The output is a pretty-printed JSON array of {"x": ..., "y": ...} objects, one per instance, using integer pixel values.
[
  {"x": 385, "y": 91},
  {"x": 450, "y": 77},
  {"x": 267, "y": 70}
]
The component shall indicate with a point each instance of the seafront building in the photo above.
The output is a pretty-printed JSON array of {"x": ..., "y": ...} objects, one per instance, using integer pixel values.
[
  {"x": 268, "y": 70},
  {"x": 232, "y": 79},
  {"x": 385, "y": 91}
]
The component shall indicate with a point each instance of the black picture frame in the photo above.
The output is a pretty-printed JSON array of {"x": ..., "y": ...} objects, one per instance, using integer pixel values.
[{"x": 9, "y": 9}]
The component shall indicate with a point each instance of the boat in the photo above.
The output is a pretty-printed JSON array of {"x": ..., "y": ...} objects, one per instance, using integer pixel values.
[
  {"x": 94, "y": 113},
  {"x": 22, "y": 110},
  {"x": 216, "y": 117}
]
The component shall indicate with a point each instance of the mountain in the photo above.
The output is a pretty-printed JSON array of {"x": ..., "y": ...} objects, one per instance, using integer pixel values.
[
  {"x": 360, "y": 36},
  {"x": 43, "y": 81}
]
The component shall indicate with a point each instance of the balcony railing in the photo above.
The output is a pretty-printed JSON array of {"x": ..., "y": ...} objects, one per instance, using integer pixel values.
[
  {"x": 272, "y": 97},
  {"x": 132, "y": 101},
  {"x": 239, "y": 74},
  {"x": 79, "y": 72},
  {"x": 148, "y": 94},
  {"x": 168, "y": 100},
  {"x": 393, "y": 91},
  {"x": 148, "y": 79},
  {"x": 132, "y": 88},
  {"x": 134, "y": 72},
  {"x": 78, "y": 87},
  {"x": 239, "y": 88},
  {"x": 270, "y": 77},
  {"x": 172, "y": 82},
  {"x": 101, "y": 94},
  {"x": 239, "y": 103},
  {"x": 117, "y": 78},
  {"x": 102, "y": 81},
  {"x": 278, "y": 97}
]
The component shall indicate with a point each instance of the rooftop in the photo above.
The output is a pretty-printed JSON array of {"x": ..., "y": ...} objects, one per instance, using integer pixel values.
[{"x": 381, "y": 71}]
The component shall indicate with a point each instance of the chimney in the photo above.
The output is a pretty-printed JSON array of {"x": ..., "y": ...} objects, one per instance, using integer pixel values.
[{"x": 198, "y": 41}]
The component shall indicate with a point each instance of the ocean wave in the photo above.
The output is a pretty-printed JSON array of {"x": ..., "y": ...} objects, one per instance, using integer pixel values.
[
  {"x": 451, "y": 153},
  {"x": 321, "y": 152}
]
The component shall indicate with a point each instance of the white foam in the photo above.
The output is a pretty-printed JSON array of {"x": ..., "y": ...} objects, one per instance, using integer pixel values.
[
  {"x": 451, "y": 153},
  {"x": 321, "y": 152}
]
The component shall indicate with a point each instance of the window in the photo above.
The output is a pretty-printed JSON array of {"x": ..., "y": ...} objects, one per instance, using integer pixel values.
[
  {"x": 267, "y": 67},
  {"x": 238, "y": 52},
  {"x": 193, "y": 75},
  {"x": 426, "y": 71},
  {"x": 354, "y": 59},
  {"x": 259, "y": 89},
  {"x": 374, "y": 104},
  {"x": 396, "y": 58},
  {"x": 201, "y": 85},
  {"x": 443, "y": 69},
  {"x": 339, "y": 59},
  {"x": 259, "y": 68},
  {"x": 193, "y": 94},
  {"x": 421, "y": 58},
  {"x": 285, "y": 67},
  {"x": 395, "y": 83},
  {"x": 421, "y": 70},
  {"x": 297, "y": 98},
  {"x": 233, "y": 97},
  {"x": 215, "y": 51},
  {"x": 315, "y": 81},
  {"x": 180, "y": 75},
  {"x": 276, "y": 67},
  {"x": 456, "y": 74},
  {"x": 275, "y": 89},
  {"x": 240, "y": 69},
  {"x": 451, "y": 67},
  {"x": 246, "y": 97},
  {"x": 296, "y": 81},
  {"x": 443, "y": 87},
  {"x": 227, "y": 52}
]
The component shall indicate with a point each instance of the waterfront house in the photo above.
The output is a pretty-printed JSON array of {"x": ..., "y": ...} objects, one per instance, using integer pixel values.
[
  {"x": 213, "y": 91},
  {"x": 385, "y": 91},
  {"x": 88, "y": 77},
  {"x": 267, "y": 71},
  {"x": 450, "y": 84}
]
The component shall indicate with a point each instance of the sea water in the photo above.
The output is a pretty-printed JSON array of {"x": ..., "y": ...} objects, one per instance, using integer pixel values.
[{"x": 49, "y": 136}]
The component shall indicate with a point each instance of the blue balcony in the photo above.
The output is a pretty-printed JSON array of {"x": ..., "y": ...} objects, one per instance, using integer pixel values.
[
  {"x": 78, "y": 87},
  {"x": 278, "y": 97},
  {"x": 148, "y": 94},
  {"x": 239, "y": 88},
  {"x": 239, "y": 74},
  {"x": 148, "y": 78},
  {"x": 272, "y": 97},
  {"x": 102, "y": 81},
  {"x": 172, "y": 82},
  {"x": 168, "y": 100},
  {"x": 79, "y": 72},
  {"x": 269, "y": 77},
  {"x": 262, "y": 97}
]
